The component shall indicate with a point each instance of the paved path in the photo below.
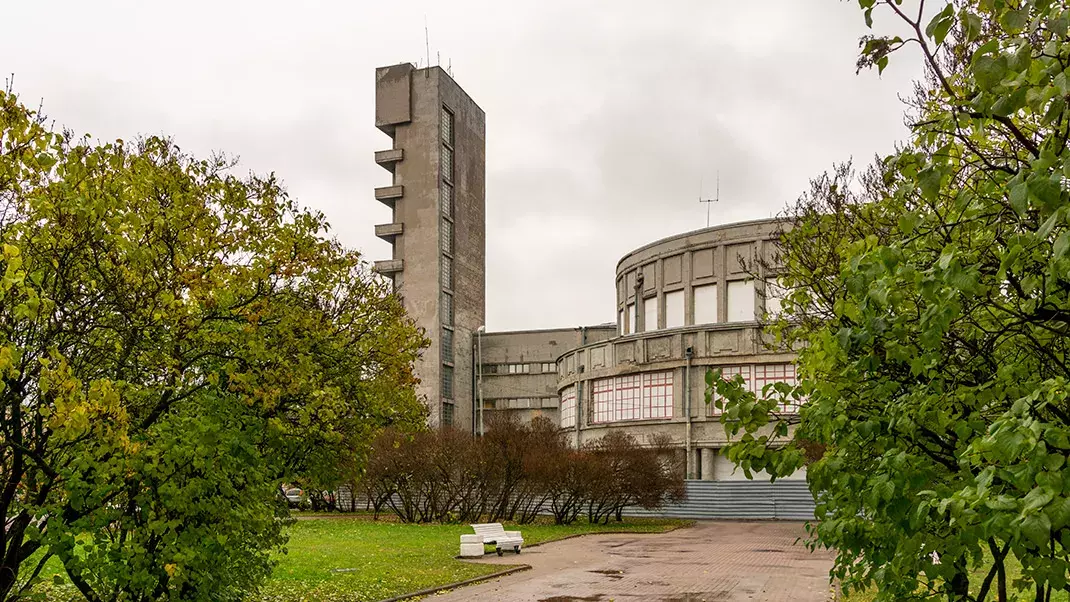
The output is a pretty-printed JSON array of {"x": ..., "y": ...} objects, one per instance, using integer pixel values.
[{"x": 711, "y": 562}]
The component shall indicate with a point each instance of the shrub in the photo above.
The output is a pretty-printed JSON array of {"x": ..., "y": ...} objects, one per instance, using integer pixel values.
[{"x": 517, "y": 472}]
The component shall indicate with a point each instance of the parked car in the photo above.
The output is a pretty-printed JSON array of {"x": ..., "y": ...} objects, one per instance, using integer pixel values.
[{"x": 295, "y": 498}]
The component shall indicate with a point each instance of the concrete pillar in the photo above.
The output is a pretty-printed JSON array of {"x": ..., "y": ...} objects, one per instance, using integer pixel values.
[{"x": 707, "y": 463}]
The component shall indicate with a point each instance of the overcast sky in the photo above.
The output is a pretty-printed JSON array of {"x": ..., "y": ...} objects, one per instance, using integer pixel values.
[{"x": 604, "y": 119}]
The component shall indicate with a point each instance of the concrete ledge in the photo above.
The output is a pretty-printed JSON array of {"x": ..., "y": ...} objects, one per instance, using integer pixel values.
[
  {"x": 387, "y": 232},
  {"x": 389, "y": 266}
]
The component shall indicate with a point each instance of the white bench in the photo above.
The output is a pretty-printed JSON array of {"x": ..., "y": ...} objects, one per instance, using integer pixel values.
[{"x": 494, "y": 533}]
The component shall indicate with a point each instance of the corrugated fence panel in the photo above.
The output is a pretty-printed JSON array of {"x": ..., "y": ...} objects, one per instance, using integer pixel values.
[{"x": 782, "y": 500}]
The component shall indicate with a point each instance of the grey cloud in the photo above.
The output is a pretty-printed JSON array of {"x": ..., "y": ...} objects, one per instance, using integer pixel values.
[{"x": 602, "y": 117}]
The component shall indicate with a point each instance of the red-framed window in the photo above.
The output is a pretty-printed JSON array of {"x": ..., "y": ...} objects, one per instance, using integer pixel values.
[
  {"x": 767, "y": 374},
  {"x": 657, "y": 395},
  {"x": 728, "y": 373}
]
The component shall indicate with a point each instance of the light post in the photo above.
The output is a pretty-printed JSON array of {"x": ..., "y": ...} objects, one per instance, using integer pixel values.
[{"x": 479, "y": 373}]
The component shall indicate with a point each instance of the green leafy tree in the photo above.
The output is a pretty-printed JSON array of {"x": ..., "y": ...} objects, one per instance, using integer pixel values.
[
  {"x": 930, "y": 304},
  {"x": 175, "y": 341}
]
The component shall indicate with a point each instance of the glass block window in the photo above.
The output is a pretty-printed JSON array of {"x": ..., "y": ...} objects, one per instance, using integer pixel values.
[
  {"x": 447, "y": 126},
  {"x": 705, "y": 304},
  {"x": 447, "y": 236},
  {"x": 447, "y": 272},
  {"x": 445, "y": 198},
  {"x": 447, "y": 382},
  {"x": 447, "y": 345},
  {"x": 674, "y": 309},
  {"x": 447, "y": 309},
  {"x": 568, "y": 407},
  {"x": 447, "y": 414},
  {"x": 774, "y": 297},
  {"x": 741, "y": 301},
  {"x": 447, "y": 163},
  {"x": 650, "y": 314}
]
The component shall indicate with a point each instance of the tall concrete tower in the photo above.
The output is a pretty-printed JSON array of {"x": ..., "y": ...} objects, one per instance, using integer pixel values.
[{"x": 438, "y": 198}]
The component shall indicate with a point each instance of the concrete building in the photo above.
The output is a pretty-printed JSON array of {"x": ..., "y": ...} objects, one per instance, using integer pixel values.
[
  {"x": 519, "y": 369},
  {"x": 685, "y": 303},
  {"x": 437, "y": 195}
]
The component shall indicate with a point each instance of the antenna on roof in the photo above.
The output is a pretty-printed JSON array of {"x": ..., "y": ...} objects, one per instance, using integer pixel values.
[
  {"x": 716, "y": 198},
  {"x": 427, "y": 44}
]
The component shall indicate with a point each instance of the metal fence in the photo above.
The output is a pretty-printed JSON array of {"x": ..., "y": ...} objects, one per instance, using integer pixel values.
[{"x": 711, "y": 500}]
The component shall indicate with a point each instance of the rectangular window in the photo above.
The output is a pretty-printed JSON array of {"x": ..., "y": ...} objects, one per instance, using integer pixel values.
[
  {"x": 741, "y": 301},
  {"x": 447, "y": 126},
  {"x": 705, "y": 304},
  {"x": 447, "y": 309},
  {"x": 549, "y": 367},
  {"x": 632, "y": 322},
  {"x": 602, "y": 399},
  {"x": 447, "y": 345},
  {"x": 674, "y": 309},
  {"x": 445, "y": 198},
  {"x": 657, "y": 395},
  {"x": 447, "y": 163},
  {"x": 447, "y": 382},
  {"x": 650, "y": 314},
  {"x": 767, "y": 374},
  {"x": 632, "y": 397},
  {"x": 728, "y": 373},
  {"x": 447, "y": 272},
  {"x": 620, "y": 322},
  {"x": 628, "y": 396},
  {"x": 568, "y": 407},
  {"x": 490, "y": 368},
  {"x": 774, "y": 297},
  {"x": 519, "y": 368},
  {"x": 447, "y": 236},
  {"x": 447, "y": 414}
]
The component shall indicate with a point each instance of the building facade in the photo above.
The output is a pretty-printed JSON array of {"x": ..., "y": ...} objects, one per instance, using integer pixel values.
[
  {"x": 685, "y": 304},
  {"x": 437, "y": 197}
]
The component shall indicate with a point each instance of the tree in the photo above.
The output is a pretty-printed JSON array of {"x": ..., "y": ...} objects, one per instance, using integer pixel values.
[
  {"x": 929, "y": 298},
  {"x": 175, "y": 341}
]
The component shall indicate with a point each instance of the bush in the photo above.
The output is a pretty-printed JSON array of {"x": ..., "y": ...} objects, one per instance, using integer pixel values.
[{"x": 516, "y": 472}]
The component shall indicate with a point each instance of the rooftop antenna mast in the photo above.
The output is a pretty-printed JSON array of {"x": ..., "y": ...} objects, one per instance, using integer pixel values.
[
  {"x": 716, "y": 198},
  {"x": 427, "y": 44}
]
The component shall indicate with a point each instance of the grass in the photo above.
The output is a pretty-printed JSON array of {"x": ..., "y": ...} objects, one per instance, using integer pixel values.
[{"x": 356, "y": 559}]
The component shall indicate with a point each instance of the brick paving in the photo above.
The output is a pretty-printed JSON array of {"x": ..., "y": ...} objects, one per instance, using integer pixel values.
[{"x": 710, "y": 562}]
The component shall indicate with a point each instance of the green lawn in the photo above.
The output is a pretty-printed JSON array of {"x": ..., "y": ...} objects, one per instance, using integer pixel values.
[{"x": 355, "y": 559}]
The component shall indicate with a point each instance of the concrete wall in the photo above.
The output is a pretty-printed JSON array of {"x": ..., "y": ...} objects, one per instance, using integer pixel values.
[
  {"x": 409, "y": 105},
  {"x": 653, "y": 272},
  {"x": 526, "y": 395},
  {"x": 673, "y": 267}
]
